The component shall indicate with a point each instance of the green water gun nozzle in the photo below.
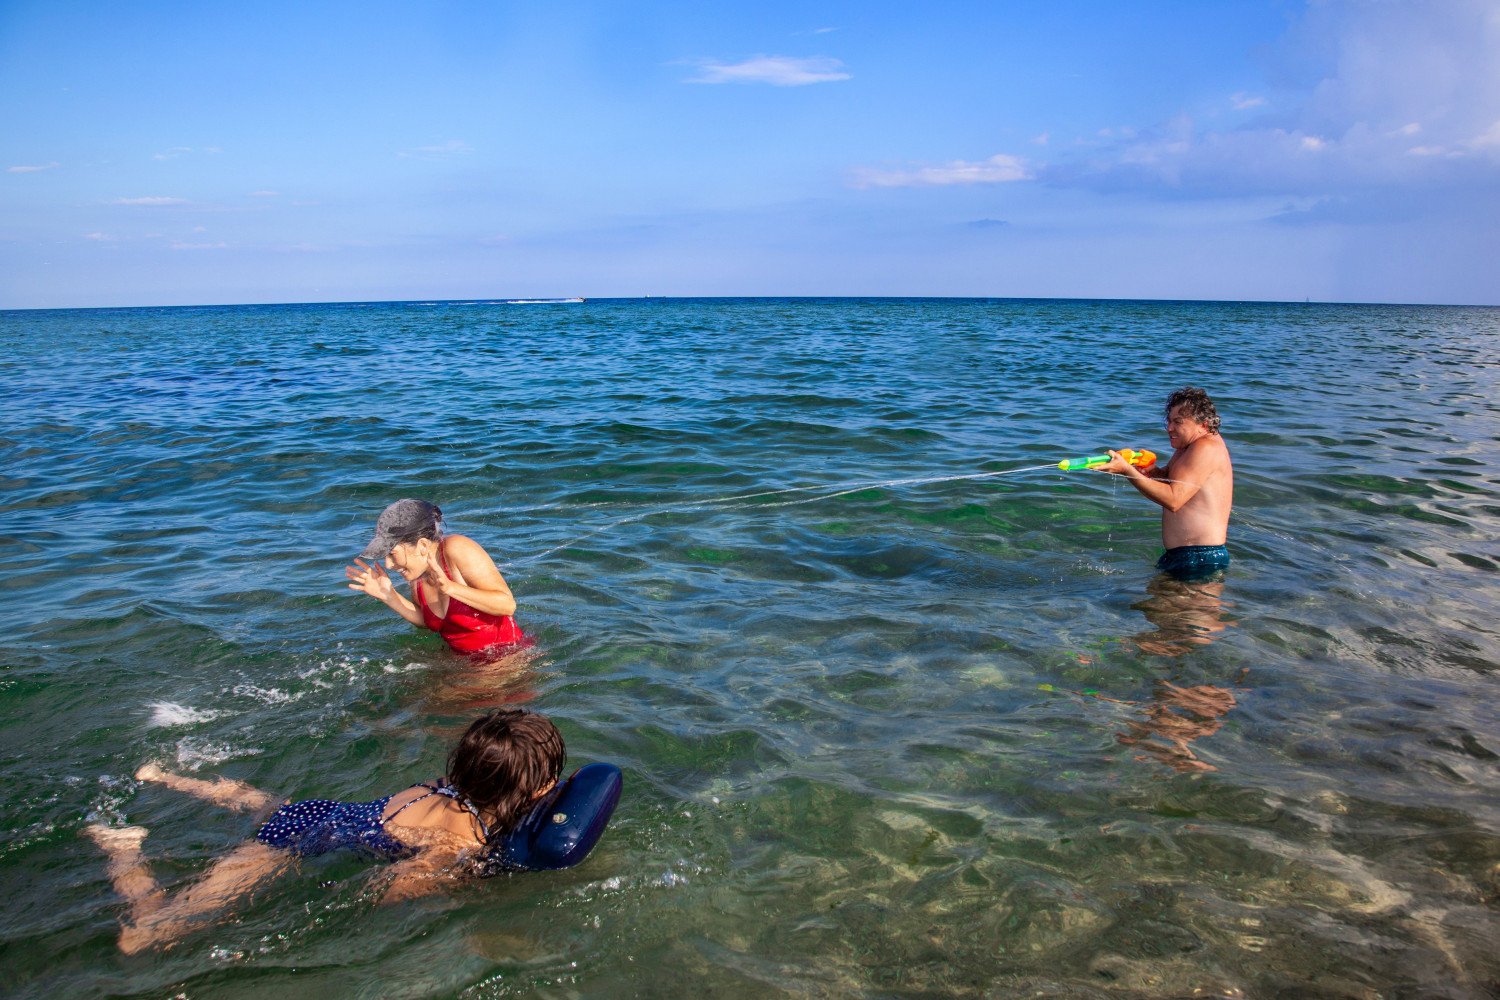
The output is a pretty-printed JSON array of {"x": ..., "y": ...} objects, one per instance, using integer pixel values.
[{"x": 1138, "y": 457}]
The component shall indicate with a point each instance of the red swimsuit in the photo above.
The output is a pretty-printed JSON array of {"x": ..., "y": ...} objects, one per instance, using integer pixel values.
[{"x": 466, "y": 629}]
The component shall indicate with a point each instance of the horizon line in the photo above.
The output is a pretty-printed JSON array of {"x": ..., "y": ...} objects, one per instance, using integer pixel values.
[{"x": 575, "y": 300}]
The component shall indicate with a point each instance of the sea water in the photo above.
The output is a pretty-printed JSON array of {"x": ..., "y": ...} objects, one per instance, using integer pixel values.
[{"x": 946, "y": 736}]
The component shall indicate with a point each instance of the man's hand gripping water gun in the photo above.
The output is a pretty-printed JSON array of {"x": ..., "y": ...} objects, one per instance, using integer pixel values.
[{"x": 1140, "y": 458}]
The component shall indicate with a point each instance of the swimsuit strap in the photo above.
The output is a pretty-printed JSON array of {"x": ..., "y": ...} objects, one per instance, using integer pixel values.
[
  {"x": 430, "y": 793},
  {"x": 446, "y": 790}
]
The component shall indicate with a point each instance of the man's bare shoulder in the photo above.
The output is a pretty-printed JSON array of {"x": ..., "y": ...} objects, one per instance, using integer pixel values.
[
  {"x": 1201, "y": 459},
  {"x": 1210, "y": 448}
]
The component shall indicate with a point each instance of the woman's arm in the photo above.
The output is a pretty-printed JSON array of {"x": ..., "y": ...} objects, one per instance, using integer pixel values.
[
  {"x": 372, "y": 579},
  {"x": 437, "y": 868},
  {"x": 478, "y": 583}
]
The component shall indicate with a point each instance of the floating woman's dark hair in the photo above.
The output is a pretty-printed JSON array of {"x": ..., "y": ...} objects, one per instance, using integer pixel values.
[
  {"x": 1195, "y": 405},
  {"x": 503, "y": 760}
]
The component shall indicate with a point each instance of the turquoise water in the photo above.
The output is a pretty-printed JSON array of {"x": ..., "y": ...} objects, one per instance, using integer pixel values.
[{"x": 944, "y": 738}]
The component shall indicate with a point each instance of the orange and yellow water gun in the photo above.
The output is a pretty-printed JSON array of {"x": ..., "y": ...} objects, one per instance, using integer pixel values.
[{"x": 1140, "y": 458}]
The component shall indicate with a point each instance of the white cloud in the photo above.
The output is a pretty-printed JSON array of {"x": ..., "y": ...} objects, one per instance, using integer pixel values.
[
  {"x": 1042, "y": 139},
  {"x": 1243, "y": 101},
  {"x": 778, "y": 71},
  {"x": 153, "y": 200},
  {"x": 453, "y": 147},
  {"x": 32, "y": 168},
  {"x": 999, "y": 169},
  {"x": 100, "y": 237},
  {"x": 176, "y": 151},
  {"x": 1391, "y": 96},
  {"x": 200, "y": 246},
  {"x": 265, "y": 194},
  {"x": 1490, "y": 137}
]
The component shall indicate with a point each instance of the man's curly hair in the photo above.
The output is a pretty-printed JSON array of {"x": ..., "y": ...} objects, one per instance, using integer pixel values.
[{"x": 1196, "y": 404}]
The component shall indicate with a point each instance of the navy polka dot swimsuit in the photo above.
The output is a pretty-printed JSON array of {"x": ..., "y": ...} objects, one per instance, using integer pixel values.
[{"x": 317, "y": 826}]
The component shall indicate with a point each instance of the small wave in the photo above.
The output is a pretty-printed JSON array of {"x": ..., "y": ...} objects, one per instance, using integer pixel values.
[
  {"x": 402, "y": 668},
  {"x": 1086, "y": 565},
  {"x": 108, "y": 807},
  {"x": 16, "y": 840},
  {"x": 341, "y": 671},
  {"x": 266, "y": 696},
  {"x": 193, "y": 753},
  {"x": 170, "y": 713}
]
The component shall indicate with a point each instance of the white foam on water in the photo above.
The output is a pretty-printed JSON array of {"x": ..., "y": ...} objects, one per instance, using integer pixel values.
[
  {"x": 170, "y": 713},
  {"x": 266, "y": 696},
  {"x": 340, "y": 671},
  {"x": 326, "y": 673},
  {"x": 108, "y": 806},
  {"x": 402, "y": 668},
  {"x": 194, "y": 753}
]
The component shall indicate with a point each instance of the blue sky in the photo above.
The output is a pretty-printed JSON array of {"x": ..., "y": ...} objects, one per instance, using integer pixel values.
[{"x": 177, "y": 153}]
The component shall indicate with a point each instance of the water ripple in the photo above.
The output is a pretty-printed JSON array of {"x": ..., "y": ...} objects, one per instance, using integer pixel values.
[{"x": 902, "y": 712}]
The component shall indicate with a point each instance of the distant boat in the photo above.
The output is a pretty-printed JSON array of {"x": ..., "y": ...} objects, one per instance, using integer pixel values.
[{"x": 541, "y": 302}]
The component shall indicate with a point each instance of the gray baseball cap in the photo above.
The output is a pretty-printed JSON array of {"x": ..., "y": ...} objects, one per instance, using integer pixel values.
[{"x": 403, "y": 521}]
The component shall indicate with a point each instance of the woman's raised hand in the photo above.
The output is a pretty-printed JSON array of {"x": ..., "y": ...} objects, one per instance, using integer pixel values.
[
  {"x": 370, "y": 579},
  {"x": 439, "y": 576}
]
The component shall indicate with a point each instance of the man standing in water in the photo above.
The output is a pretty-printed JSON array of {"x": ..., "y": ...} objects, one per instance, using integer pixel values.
[{"x": 1194, "y": 490}]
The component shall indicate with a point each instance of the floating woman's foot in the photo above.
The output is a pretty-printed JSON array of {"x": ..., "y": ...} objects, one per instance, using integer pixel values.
[
  {"x": 133, "y": 940},
  {"x": 114, "y": 839},
  {"x": 149, "y": 772}
]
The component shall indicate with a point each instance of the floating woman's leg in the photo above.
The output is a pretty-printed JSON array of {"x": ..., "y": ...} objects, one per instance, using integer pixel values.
[
  {"x": 223, "y": 792},
  {"x": 127, "y": 867},
  {"x": 157, "y": 919}
]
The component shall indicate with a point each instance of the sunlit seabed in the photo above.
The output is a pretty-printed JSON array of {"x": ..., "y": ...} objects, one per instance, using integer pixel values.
[{"x": 945, "y": 737}]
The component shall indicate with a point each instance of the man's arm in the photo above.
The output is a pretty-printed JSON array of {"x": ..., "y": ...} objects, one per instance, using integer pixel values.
[{"x": 1189, "y": 470}]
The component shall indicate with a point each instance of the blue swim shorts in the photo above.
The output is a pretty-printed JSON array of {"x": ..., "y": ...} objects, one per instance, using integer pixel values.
[{"x": 1193, "y": 562}]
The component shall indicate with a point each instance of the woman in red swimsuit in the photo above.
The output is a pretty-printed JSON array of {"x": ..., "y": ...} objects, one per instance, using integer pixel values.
[{"x": 456, "y": 589}]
